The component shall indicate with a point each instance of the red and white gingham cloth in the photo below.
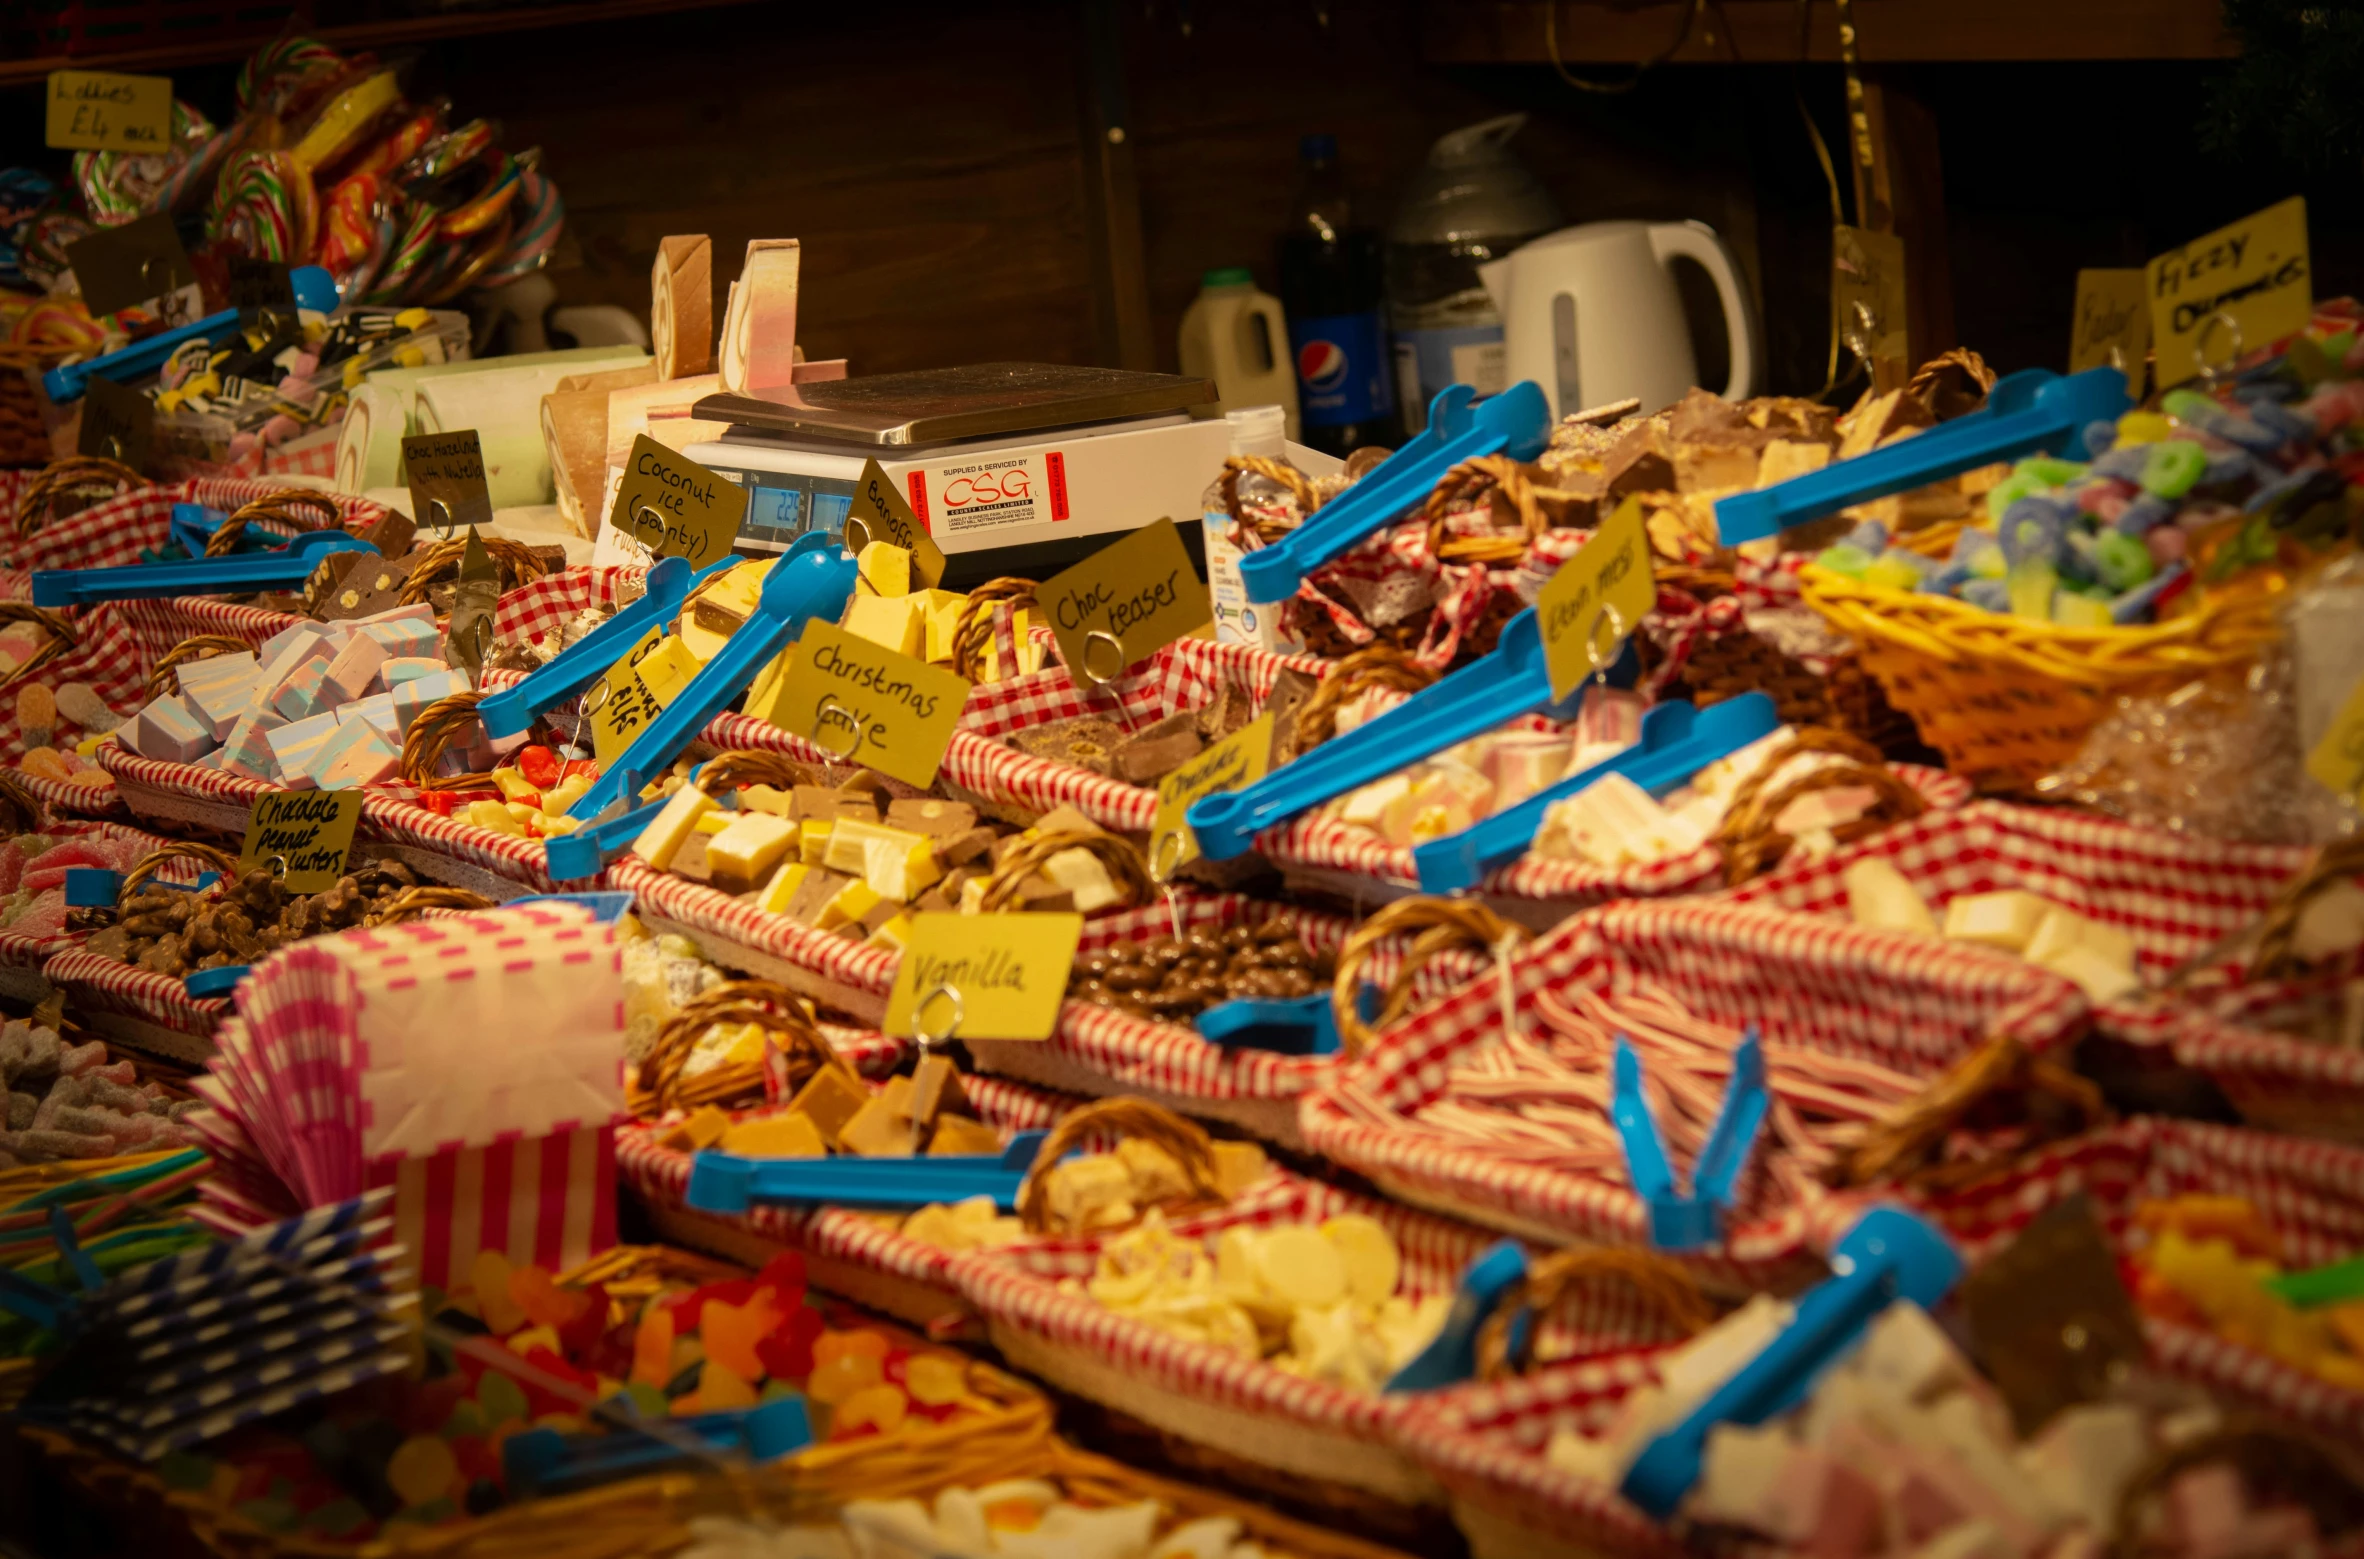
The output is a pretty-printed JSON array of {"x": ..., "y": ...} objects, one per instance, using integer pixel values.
[
  {"x": 1192, "y": 673},
  {"x": 2176, "y": 895},
  {"x": 1486, "y": 1445},
  {"x": 1123, "y": 1053},
  {"x": 113, "y": 534},
  {"x": 1017, "y": 1285},
  {"x": 1904, "y": 1002},
  {"x": 106, "y": 656},
  {"x": 660, "y": 1176}
]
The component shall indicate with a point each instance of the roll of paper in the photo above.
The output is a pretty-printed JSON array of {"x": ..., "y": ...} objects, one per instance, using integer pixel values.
[
  {"x": 759, "y": 332},
  {"x": 504, "y": 406},
  {"x": 628, "y": 410},
  {"x": 574, "y": 436},
  {"x": 369, "y": 444},
  {"x": 574, "y": 360},
  {"x": 681, "y": 305}
]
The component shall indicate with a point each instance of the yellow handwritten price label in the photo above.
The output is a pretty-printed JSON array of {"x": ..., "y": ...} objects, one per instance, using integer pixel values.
[
  {"x": 303, "y": 836},
  {"x": 1598, "y": 597},
  {"x": 1126, "y": 601},
  {"x": 674, "y": 506},
  {"x": 99, "y": 111},
  {"x": 1237, "y": 761},
  {"x": 2239, "y": 288},
  {"x": 878, "y": 513},
  {"x": 445, "y": 472},
  {"x": 2338, "y": 759},
  {"x": 983, "y": 976},
  {"x": 2112, "y": 328},
  {"x": 650, "y": 676},
  {"x": 870, "y": 705}
]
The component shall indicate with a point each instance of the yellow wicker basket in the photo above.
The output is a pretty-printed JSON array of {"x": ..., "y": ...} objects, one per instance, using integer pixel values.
[{"x": 2008, "y": 700}]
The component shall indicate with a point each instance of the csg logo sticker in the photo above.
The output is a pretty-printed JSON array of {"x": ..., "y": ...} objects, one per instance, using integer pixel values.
[
  {"x": 1007, "y": 485},
  {"x": 1322, "y": 365}
]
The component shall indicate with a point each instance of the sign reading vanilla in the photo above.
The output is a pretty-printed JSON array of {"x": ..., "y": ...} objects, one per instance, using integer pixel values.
[{"x": 983, "y": 976}]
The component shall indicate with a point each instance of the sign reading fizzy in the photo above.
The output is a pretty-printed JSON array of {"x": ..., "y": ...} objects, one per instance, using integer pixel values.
[
  {"x": 1126, "y": 601},
  {"x": 675, "y": 507},
  {"x": 303, "y": 836},
  {"x": 1237, "y": 761},
  {"x": 1598, "y": 597},
  {"x": 983, "y": 976},
  {"x": 100, "y": 111},
  {"x": 2237, "y": 289},
  {"x": 870, "y": 705},
  {"x": 446, "y": 476},
  {"x": 878, "y": 513}
]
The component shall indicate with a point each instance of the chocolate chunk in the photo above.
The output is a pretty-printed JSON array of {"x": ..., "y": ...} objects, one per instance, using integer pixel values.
[
  {"x": 392, "y": 535},
  {"x": 820, "y": 885},
  {"x": 1085, "y": 741},
  {"x": 1153, "y": 752},
  {"x": 1637, "y": 464},
  {"x": 690, "y": 860},
  {"x": 968, "y": 848},
  {"x": 936, "y": 819}
]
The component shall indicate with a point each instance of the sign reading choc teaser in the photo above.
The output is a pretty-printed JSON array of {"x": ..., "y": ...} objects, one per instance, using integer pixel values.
[{"x": 1126, "y": 601}]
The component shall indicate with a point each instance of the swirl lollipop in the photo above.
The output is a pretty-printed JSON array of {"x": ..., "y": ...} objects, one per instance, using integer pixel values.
[
  {"x": 262, "y": 207},
  {"x": 118, "y": 186},
  {"x": 536, "y": 219},
  {"x": 275, "y": 71},
  {"x": 348, "y": 226},
  {"x": 407, "y": 255}
]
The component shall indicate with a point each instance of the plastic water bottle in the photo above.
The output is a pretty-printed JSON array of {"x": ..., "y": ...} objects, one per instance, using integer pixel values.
[
  {"x": 1471, "y": 202},
  {"x": 1334, "y": 289},
  {"x": 1238, "y": 337},
  {"x": 1255, "y": 430}
]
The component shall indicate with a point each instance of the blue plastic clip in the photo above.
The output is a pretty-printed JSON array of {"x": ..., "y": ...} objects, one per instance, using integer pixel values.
[
  {"x": 543, "y": 1461},
  {"x": 1451, "y": 1355},
  {"x": 44, "y": 1306},
  {"x": 1888, "y": 1255},
  {"x": 314, "y": 288},
  {"x": 1679, "y": 1222},
  {"x": 1676, "y": 742},
  {"x": 1285, "y": 1025},
  {"x": 92, "y": 887},
  {"x": 283, "y": 569},
  {"x": 1494, "y": 689},
  {"x": 585, "y": 661},
  {"x": 2034, "y": 410},
  {"x": 581, "y": 854},
  {"x": 1516, "y": 422},
  {"x": 813, "y": 578},
  {"x": 221, "y": 980},
  {"x": 605, "y": 905},
  {"x": 729, "y": 1182}
]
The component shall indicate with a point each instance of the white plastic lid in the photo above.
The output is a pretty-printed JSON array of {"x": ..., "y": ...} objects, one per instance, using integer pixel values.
[{"x": 1258, "y": 430}]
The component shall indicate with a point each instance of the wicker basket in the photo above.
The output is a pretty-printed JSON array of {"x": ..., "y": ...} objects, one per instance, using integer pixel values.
[{"x": 2008, "y": 700}]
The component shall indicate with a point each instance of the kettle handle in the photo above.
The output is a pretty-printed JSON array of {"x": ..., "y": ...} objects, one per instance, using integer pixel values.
[{"x": 1697, "y": 241}]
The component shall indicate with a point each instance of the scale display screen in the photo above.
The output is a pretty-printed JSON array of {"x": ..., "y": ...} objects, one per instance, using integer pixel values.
[{"x": 780, "y": 509}]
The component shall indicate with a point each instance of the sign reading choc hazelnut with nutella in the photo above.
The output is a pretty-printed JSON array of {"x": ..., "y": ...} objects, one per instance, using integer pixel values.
[
  {"x": 1126, "y": 601},
  {"x": 676, "y": 507}
]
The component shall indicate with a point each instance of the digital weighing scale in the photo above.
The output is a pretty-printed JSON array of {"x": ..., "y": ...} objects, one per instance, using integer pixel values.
[{"x": 1015, "y": 468}]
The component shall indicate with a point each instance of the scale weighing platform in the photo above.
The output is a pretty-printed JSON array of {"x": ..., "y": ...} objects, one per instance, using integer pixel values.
[{"x": 1014, "y": 468}]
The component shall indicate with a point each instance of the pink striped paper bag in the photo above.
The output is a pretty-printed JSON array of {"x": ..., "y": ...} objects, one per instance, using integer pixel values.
[{"x": 472, "y": 1062}]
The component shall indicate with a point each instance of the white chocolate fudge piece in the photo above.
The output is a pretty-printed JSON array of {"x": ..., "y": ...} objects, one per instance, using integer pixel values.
[
  {"x": 670, "y": 829},
  {"x": 2005, "y": 919},
  {"x": 1881, "y": 897},
  {"x": 753, "y": 844}
]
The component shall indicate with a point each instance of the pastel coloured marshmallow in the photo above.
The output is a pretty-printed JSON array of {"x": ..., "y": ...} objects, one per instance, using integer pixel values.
[
  {"x": 399, "y": 669},
  {"x": 413, "y": 697},
  {"x": 355, "y": 756},
  {"x": 220, "y": 705},
  {"x": 166, "y": 729},
  {"x": 247, "y": 751},
  {"x": 405, "y": 638},
  {"x": 355, "y": 670},
  {"x": 294, "y": 745},
  {"x": 196, "y": 674},
  {"x": 305, "y": 692}
]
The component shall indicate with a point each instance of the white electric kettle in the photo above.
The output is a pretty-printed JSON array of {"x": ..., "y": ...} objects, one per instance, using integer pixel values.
[{"x": 1591, "y": 313}]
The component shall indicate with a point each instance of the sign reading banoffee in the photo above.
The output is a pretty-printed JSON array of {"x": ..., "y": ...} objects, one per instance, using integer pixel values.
[
  {"x": 1238, "y": 760},
  {"x": 1126, "y": 601},
  {"x": 1598, "y": 597},
  {"x": 983, "y": 976},
  {"x": 304, "y": 835},
  {"x": 870, "y": 705},
  {"x": 878, "y": 513}
]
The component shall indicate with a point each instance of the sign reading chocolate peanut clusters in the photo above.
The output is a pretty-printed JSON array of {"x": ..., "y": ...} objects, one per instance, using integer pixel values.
[
  {"x": 304, "y": 836},
  {"x": 984, "y": 976},
  {"x": 1126, "y": 601}
]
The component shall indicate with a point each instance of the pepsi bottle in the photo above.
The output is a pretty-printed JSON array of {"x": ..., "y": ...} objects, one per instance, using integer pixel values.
[{"x": 1333, "y": 284}]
